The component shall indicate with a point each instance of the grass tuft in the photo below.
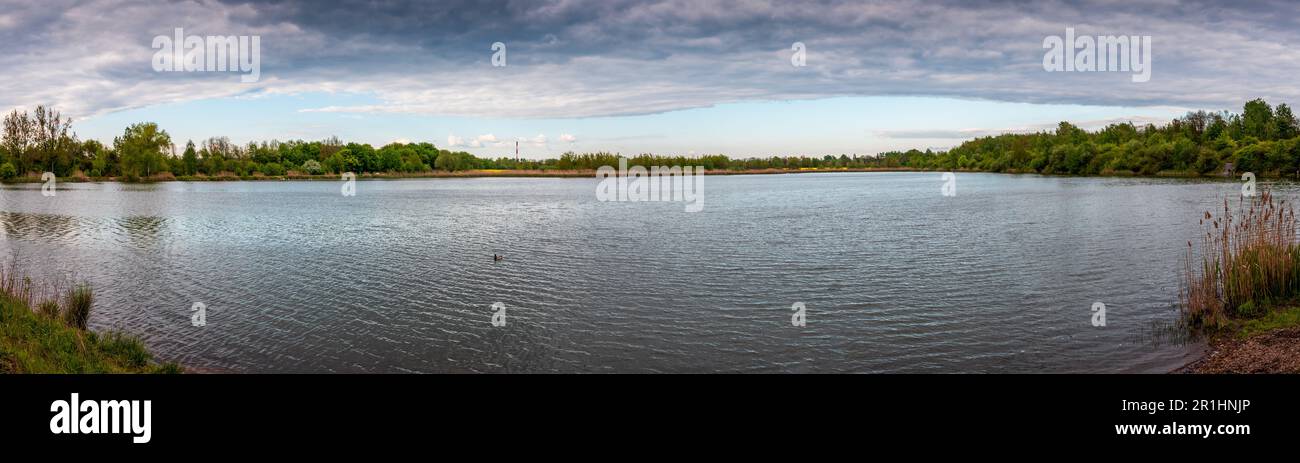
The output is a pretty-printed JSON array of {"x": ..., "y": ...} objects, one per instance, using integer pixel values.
[
  {"x": 49, "y": 309},
  {"x": 76, "y": 310}
]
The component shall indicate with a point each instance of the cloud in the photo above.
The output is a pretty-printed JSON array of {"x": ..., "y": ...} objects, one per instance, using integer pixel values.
[
  {"x": 454, "y": 141},
  {"x": 583, "y": 58},
  {"x": 567, "y": 138}
]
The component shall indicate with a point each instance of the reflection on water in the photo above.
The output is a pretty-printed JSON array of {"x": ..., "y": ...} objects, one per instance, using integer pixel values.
[
  {"x": 142, "y": 232},
  {"x": 399, "y": 278}
]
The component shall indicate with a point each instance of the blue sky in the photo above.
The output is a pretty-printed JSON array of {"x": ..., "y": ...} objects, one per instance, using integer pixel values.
[
  {"x": 633, "y": 76},
  {"x": 861, "y": 125}
]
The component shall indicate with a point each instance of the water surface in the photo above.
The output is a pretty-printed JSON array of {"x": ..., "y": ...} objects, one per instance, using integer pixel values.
[{"x": 400, "y": 277}]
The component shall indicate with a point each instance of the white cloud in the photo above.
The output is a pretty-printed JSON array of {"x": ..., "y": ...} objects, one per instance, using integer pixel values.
[
  {"x": 963, "y": 134},
  {"x": 591, "y": 58},
  {"x": 567, "y": 138},
  {"x": 454, "y": 141}
]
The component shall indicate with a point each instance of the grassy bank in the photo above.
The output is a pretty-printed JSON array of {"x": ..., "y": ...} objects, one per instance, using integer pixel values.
[
  {"x": 1242, "y": 285},
  {"x": 50, "y": 336}
]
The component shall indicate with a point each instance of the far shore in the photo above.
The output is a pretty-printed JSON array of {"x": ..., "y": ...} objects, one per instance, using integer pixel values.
[
  {"x": 574, "y": 173},
  {"x": 473, "y": 173}
]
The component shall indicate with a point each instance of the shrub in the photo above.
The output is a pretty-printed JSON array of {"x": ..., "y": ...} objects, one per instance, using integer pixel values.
[
  {"x": 273, "y": 168},
  {"x": 8, "y": 171},
  {"x": 311, "y": 167}
]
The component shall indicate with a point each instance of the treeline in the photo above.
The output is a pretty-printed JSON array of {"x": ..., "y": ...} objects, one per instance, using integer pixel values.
[
  {"x": 1262, "y": 139},
  {"x": 571, "y": 161},
  {"x": 42, "y": 141}
]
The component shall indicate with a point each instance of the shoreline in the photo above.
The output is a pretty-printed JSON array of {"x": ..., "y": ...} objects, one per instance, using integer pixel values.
[
  {"x": 1269, "y": 344},
  {"x": 473, "y": 173},
  {"x": 582, "y": 173}
]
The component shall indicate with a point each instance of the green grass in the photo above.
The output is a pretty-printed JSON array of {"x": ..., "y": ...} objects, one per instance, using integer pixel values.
[
  {"x": 1275, "y": 319},
  {"x": 34, "y": 343}
]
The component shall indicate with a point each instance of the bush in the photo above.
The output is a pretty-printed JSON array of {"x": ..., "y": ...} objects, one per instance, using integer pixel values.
[
  {"x": 311, "y": 167},
  {"x": 76, "y": 310},
  {"x": 8, "y": 171},
  {"x": 274, "y": 168}
]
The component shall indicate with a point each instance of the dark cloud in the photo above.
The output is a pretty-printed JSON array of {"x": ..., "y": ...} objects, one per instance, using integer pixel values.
[{"x": 577, "y": 58}]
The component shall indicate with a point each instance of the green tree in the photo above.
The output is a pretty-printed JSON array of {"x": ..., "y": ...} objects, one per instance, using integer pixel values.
[
  {"x": 190, "y": 160},
  {"x": 141, "y": 149},
  {"x": 1284, "y": 123},
  {"x": 1257, "y": 120}
]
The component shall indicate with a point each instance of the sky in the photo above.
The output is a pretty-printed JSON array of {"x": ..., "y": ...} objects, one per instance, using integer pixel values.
[{"x": 668, "y": 77}]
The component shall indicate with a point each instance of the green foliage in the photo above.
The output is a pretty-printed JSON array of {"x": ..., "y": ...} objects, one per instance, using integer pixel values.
[
  {"x": 38, "y": 343},
  {"x": 1271, "y": 320},
  {"x": 76, "y": 306},
  {"x": 1246, "y": 309},
  {"x": 189, "y": 160},
  {"x": 311, "y": 167},
  {"x": 141, "y": 149},
  {"x": 48, "y": 309},
  {"x": 1263, "y": 139}
]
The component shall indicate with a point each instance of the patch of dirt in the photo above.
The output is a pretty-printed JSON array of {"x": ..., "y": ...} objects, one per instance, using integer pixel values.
[{"x": 1276, "y": 351}]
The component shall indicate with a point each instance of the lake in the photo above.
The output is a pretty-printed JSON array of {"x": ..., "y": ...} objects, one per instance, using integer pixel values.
[{"x": 894, "y": 276}]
